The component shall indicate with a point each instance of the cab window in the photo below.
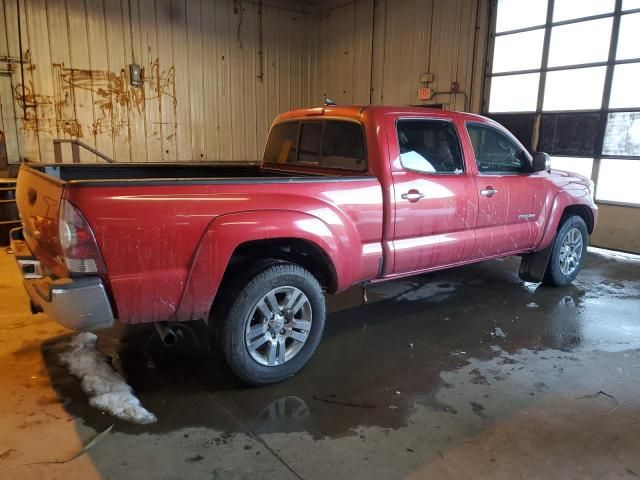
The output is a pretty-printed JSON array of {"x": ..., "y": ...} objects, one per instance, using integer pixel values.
[
  {"x": 335, "y": 144},
  {"x": 429, "y": 146},
  {"x": 342, "y": 146},
  {"x": 495, "y": 152},
  {"x": 282, "y": 146},
  {"x": 310, "y": 139}
]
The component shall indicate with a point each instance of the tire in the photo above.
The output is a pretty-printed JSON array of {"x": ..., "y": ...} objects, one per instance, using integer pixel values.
[
  {"x": 247, "y": 318},
  {"x": 563, "y": 267}
]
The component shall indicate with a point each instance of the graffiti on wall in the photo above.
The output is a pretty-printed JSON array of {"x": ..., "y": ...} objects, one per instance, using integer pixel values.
[{"x": 115, "y": 103}]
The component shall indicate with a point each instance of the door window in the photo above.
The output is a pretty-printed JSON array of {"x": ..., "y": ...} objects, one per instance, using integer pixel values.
[
  {"x": 429, "y": 146},
  {"x": 496, "y": 152}
]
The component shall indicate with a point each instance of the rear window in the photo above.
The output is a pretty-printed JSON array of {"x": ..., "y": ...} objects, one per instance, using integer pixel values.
[
  {"x": 310, "y": 138},
  {"x": 282, "y": 144},
  {"x": 322, "y": 143}
]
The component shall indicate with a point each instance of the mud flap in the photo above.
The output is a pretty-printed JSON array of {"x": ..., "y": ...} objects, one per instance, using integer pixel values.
[{"x": 534, "y": 265}]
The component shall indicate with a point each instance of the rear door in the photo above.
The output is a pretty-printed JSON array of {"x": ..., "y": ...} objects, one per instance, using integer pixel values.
[
  {"x": 434, "y": 194},
  {"x": 510, "y": 196}
]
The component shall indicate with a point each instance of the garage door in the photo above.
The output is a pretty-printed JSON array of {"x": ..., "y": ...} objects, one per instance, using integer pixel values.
[{"x": 580, "y": 105}]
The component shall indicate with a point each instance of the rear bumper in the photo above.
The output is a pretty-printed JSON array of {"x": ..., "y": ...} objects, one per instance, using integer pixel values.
[
  {"x": 77, "y": 303},
  {"x": 80, "y": 304}
]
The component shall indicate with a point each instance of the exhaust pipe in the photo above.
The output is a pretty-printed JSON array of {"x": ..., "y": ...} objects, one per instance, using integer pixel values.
[
  {"x": 34, "y": 308},
  {"x": 168, "y": 335}
]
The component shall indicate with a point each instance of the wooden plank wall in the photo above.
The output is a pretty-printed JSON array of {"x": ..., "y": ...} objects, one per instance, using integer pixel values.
[
  {"x": 201, "y": 99},
  {"x": 373, "y": 51}
]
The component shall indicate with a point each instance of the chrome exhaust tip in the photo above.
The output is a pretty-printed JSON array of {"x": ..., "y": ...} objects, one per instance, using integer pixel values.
[{"x": 168, "y": 335}]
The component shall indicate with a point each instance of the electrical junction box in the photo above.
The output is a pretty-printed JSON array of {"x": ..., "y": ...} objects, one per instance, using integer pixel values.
[
  {"x": 135, "y": 75},
  {"x": 426, "y": 77}
]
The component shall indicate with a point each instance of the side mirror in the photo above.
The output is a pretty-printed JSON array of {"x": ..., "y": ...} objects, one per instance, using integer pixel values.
[{"x": 541, "y": 162}]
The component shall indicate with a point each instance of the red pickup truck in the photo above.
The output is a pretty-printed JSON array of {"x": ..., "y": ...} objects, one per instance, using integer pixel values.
[{"x": 345, "y": 195}]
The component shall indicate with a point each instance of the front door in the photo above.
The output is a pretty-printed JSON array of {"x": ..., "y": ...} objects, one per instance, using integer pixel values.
[
  {"x": 510, "y": 196},
  {"x": 434, "y": 195}
]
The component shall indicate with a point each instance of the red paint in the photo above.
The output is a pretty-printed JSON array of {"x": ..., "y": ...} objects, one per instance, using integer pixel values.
[{"x": 166, "y": 247}]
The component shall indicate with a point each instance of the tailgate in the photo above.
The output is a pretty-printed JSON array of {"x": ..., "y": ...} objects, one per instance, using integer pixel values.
[{"x": 38, "y": 196}]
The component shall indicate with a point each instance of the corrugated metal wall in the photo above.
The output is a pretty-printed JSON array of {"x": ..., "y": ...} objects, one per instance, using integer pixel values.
[
  {"x": 373, "y": 51},
  {"x": 202, "y": 98},
  {"x": 342, "y": 52}
]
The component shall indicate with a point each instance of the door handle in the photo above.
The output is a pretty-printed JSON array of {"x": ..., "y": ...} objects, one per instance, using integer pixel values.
[
  {"x": 412, "y": 195},
  {"x": 488, "y": 191}
]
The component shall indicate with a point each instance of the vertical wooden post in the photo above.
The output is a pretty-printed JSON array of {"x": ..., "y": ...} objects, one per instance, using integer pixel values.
[
  {"x": 57, "y": 152},
  {"x": 75, "y": 152}
]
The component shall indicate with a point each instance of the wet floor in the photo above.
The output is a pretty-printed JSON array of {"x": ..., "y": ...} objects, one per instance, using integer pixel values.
[{"x": 464, "y": 373}]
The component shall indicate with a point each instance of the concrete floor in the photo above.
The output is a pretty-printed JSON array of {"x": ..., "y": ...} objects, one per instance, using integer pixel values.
[{"x": 415, "y": 384}]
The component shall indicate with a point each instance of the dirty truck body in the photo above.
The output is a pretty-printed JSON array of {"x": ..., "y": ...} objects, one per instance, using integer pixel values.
[{"x": 344, "y": 196}]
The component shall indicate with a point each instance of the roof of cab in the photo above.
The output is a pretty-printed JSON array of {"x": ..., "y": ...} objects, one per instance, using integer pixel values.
[{"x": 354, "y": 112}]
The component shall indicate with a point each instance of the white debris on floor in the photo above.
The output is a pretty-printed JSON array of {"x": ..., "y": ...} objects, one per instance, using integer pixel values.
[
  {"x": 532, "y": 305},
  {"x": 498, "y": 332},
  {"x": 106, "y": 388}
]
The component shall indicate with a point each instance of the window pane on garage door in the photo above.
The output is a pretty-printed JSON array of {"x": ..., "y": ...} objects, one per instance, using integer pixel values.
[
  {"x": 514, "y": 93},
  {"x": 569, "y": 133},
  {"x": 513, "y": 14},
  {"x": 624, "y": 89},
  {"x": 593, "y": 37},
  {"x": 630, "y": 4},
  {"x": 520, "y": 124},
  {"x": 618, "y": 181},
  {"x": 629, "y": 37},
  {"x": 576, "y": 89},
  {"x": 568, "y": 9},
  {"x": 581, "y": 166},
  {"x": 622, "y": 136},
  {"x": 518, "y": 51}
]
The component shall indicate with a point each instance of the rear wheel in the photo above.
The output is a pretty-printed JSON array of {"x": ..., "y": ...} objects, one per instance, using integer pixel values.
[
  {"x": 568, "y": 252},
  {"x": 272, "y": 325}
]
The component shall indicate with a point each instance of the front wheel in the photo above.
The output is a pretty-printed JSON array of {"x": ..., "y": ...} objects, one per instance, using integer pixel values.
[
  {"x": 568, "y": 252},
  {"x": 272, "y": 326}
]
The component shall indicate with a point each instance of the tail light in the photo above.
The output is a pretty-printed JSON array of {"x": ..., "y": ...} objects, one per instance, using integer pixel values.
[{"x": 79, "y": 247}]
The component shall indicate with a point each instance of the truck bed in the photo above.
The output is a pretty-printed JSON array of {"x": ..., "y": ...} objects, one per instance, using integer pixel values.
[
  {"x": 143, "y": 171},
  {"x": 155, "y": 224}
]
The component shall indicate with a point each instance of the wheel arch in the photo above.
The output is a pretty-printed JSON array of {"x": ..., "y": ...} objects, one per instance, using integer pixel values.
[
  {"x": 581, "y": 211},
  {"x": 236, "y": 241},
  {"x": 534, "y": 265},
  {"x": 301, "y": 251},
  {"x": 566, "y": 204}
]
